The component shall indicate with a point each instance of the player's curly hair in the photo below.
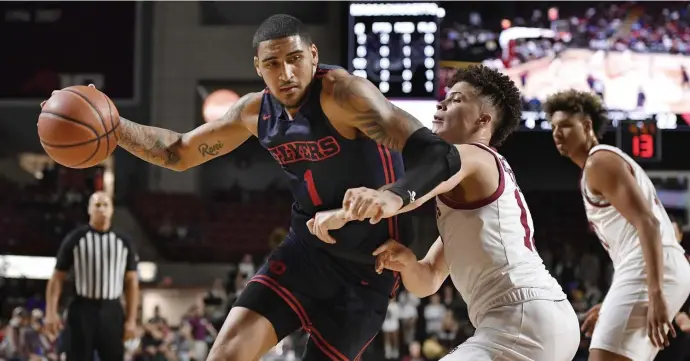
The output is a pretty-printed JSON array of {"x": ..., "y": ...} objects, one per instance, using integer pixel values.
[
  {"x": 502, "y": 93},
  {"x": 579, "y": 102},
  {"x": 280, "y": 26}
]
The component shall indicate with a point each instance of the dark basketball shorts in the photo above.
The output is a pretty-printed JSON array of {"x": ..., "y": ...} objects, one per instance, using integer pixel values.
[{"x": 341, "y": 304}]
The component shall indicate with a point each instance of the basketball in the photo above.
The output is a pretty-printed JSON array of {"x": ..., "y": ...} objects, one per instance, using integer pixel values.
[{"x": 77, "y": 126}]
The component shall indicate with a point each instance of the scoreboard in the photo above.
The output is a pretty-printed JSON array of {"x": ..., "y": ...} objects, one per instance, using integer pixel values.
[
  {"x": 395, "y": 46},
  {"x": 55, "y": 44},
  {"x": 640, "y": 139}
]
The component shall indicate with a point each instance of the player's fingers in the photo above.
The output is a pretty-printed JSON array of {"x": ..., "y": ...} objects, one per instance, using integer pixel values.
[
  {"x": 370, "y": 209},
  {"x": 666, "y": 330},
  {"x": 382, "y": 248},
  {"x": 355, "y": 201},
  {"x": 364, "y": 208},
  {"x": 377, "y": 217},
  {"x": 662, "y": 334},
  {"x": 387, "y": 262},
  {"x": 650, "y": 333},
  {"x": 324, "y": 236},
  {"x": 379, "y": 264},
  {"x": 587, "y": 325},
  {"x": 352, "y": 198},
  {"x": 329, "y": 238},
  {"x": 43, "y": 103},
  {"x": 92, "y": 86},
  {"x": 321, "y": 234},
  {"x": 653, "y": 333},
  {"x": 374, "y": 209},
  {"x": 310, "y": 225},
  {"x": 672, "y": 330},
  {"x": 347, "y": 200}
]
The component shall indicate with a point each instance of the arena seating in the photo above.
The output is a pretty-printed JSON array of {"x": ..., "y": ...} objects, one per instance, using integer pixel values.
[{"x": 215, "y": 231}]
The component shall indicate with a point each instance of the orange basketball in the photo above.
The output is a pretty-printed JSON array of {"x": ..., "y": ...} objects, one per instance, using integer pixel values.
[{"x": 77, "y": 127}]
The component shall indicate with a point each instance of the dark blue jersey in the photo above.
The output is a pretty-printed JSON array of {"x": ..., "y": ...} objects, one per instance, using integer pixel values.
[{"x": 321, "y": 165}]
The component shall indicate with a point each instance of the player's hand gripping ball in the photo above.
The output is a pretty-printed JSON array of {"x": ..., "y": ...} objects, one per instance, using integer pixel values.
[{"x": 78, "y": 126}]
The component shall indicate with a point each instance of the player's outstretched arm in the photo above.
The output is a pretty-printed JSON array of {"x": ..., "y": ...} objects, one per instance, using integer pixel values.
[
  {"x": 355, "y": 102},
  {"x": 423, "y": 278},
  {"x": 366, "y": 203},
  {"x": 609, "y": 175},
  {"x": 181, "y": 151}
]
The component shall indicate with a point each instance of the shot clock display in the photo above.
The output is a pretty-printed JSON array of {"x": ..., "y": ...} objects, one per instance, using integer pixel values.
[
  {"x": 395, "y": 46},
  {"x": 640, "y": 139}
]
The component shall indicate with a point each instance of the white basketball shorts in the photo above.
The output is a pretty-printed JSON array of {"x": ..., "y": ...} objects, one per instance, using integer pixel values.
[
  {"x": 537, "y": 330},
  {"x": 622, "y": 324}
]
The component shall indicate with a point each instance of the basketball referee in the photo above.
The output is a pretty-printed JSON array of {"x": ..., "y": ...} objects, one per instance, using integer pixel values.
[{"x": 104, "y": 264}]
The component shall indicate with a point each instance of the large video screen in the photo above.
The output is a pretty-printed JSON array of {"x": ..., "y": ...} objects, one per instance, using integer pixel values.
[
  {"x": 636, "y": 56},
  {"x": 626, "y": 80}
]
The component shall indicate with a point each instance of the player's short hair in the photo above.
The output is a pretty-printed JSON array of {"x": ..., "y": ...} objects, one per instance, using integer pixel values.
[
  {"x": 280, "y": 26},
  {"x": 500, "y": 91},
  {"x": 579, "y": 102}
]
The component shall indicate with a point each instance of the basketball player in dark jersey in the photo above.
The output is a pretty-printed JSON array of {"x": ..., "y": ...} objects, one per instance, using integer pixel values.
[{"x": 330, "y": 131}]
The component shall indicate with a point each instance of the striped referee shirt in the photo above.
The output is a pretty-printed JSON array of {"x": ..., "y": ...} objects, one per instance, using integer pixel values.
[{"x": 99, "y": 260}]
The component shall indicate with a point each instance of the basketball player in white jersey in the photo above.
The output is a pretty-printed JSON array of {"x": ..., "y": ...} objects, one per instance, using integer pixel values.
[
  {"x": 486, "y": 245},
  {"x": 651, "y": 275}
]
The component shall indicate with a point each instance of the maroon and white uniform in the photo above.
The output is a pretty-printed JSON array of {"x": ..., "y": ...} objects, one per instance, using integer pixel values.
[
  {"x": 518, "y": 308},
  {"x": 621, "y": 327}
]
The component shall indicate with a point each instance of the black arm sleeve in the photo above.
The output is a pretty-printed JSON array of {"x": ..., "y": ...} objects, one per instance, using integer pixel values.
[
  {"x": 429, "y": 161},
  {"x": 65, "y": 256}
]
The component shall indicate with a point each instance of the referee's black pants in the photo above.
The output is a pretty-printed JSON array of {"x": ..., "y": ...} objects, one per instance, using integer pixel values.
[{"x": 95, "y": 326}]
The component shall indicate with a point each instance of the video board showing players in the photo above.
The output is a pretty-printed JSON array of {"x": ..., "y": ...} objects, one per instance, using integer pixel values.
[
  {"x": 395, "y": 46},
  {"x": 636, "y": 56}
]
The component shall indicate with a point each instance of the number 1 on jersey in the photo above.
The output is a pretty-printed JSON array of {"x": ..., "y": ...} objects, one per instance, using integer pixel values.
[
  {"x": 529, "y": 236},
  {"x": 311, "y": 188}
]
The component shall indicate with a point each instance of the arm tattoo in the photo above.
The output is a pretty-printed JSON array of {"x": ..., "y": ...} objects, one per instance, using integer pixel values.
[
  {"x": 154, "y": 145},
  {"x": 373, "y": 114},
  {"x": 210, "y": 150}
]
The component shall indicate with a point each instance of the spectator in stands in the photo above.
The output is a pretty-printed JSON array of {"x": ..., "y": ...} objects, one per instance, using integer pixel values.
[
  {"x": 184, "y": 343},
  {"x": 157, "y": 317},
  {"x": 247, "y": 266},
  {"x": 153, "y": 347},
  {"x": 434, "y": 313},
  {"x": 448, "y": 334},
  {"x": 14, "y": 345},
  {"x": 566, "y": 270},
  {"x": 391, "y": 328},
  {"x": 216, "y": 303},
  {"x": 408, "y": 316},
  {"x": 415, "y": 351},
  {"x": 202, "y": 332},
  {"x": 35, "y": 342}
]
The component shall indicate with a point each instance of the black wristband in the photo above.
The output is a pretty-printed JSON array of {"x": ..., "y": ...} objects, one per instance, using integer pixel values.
[
  {"x": 429, "y": 161},
  {"x": 407, "y": 196}
]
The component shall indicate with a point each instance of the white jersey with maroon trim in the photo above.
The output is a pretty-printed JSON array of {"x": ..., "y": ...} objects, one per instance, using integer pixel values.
[
  {"x": 489, "y": 248},
  {"x": 617, "y": 235}
]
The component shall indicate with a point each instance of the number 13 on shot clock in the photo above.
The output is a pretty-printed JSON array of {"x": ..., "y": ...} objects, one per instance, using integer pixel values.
[{"x": 640, "y": 139}]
